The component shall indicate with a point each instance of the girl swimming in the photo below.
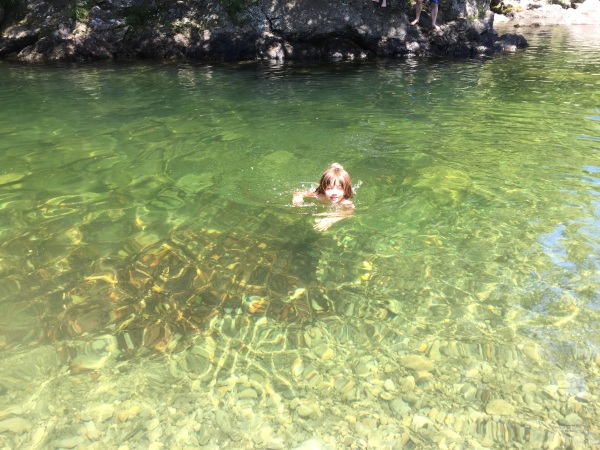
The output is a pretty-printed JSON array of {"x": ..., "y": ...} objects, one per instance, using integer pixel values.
[{"x": 335, "y": 189}]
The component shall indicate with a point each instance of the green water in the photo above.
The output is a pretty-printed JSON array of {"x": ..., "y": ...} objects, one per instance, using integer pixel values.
[{"x": 159, "y": 290}]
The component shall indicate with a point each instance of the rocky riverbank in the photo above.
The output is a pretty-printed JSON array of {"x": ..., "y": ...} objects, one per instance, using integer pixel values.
[
  {"x": 525, "y": 13},
  {"x": 230, "y": 30},
  {"x": 41, "y": 30}
]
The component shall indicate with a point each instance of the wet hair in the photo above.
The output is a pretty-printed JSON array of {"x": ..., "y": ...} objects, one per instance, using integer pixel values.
[{"x": 334, "y": 174}]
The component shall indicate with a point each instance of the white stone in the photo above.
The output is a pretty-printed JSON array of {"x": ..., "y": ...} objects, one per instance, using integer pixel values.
[
  {"x": 311, "y": 444},
  {"x": 98, "y": 413},
  {"x": 248, "y": 393},
  {"x": 305, "y": 411}
]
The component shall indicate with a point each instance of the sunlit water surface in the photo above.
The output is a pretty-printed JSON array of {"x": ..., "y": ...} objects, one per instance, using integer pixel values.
[{"x": 157, "y": 287}]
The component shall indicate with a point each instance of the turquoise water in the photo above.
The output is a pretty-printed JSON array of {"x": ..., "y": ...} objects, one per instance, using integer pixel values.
[{"x": 158, "y": 288}]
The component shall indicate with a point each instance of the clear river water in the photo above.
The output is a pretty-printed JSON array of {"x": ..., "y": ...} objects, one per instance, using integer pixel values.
[{"x": 158, "y": 289}]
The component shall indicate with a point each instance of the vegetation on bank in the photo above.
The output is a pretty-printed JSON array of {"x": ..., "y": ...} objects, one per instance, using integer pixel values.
[
  {"x": 142, "y": 13},
  {"x": 139, "y": 13},
  {"x": 7, "y": 7}
]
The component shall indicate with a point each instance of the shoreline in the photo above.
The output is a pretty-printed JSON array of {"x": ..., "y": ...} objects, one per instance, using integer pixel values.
[
  {"x": 531, "y": 13},
  {"x": 277, "y": 31}
]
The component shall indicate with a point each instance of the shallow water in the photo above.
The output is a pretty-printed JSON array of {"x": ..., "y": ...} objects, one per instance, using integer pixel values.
[{"x": 158, "y": 288}]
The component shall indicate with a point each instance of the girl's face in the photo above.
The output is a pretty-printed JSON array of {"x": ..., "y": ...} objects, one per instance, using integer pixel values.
[{"x": 334, "y": 192}]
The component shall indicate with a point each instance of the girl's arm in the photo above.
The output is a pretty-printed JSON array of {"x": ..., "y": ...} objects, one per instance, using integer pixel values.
[
  {"x": 299, "y": 197},
  {"x": 323, "y": 223},
  {"x": 327, "y": 219}
]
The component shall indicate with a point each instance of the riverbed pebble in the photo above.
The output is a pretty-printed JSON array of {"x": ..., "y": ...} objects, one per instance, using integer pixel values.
[
  {"x": 70, "y": 442},
  {"x": 389, "y": 385},
  {"x": 571, "y": 420},
  {"x": 15, "y": 425},
  {"x": 584, "y": 396},
  {"x": 98, "y": 413},
  {"x": 311, "y": 444},
  {"x": 223, "y": 421},
  {"x": 499, "y": 407},
  {"x": 295, "y": 398},
  {"x": 417, "y": 363}
]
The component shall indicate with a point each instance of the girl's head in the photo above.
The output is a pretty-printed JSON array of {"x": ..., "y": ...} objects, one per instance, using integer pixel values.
[{"x": 336, "y": 177}]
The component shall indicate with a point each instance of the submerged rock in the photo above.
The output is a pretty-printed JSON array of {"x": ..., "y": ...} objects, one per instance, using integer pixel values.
[
  {"x": 15, "y": 425},
  {"x": 571, "y": 420},
  {"x": 311, "y": 444},
  {"x": 417, "y": 363},
  {"x": 499, "y": 407}
]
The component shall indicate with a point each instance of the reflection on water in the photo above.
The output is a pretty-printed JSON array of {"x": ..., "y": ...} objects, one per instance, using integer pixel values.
[{"x": 158, "y": 289}]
